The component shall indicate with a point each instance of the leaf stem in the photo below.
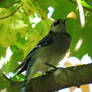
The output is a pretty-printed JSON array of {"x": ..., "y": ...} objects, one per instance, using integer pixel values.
[{"x": 11, "y": 13}]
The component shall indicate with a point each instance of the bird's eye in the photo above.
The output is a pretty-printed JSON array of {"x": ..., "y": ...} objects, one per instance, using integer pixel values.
[{"x": 56, "y": 22}]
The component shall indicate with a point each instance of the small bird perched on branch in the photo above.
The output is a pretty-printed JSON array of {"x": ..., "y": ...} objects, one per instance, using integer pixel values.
[{"x": 51, "y": 49}]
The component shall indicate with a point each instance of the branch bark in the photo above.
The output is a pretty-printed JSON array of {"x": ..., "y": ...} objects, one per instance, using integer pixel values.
[{"x": 61, "y": 78}]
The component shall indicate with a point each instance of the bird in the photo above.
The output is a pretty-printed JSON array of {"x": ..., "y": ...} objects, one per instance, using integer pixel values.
[{"x": 51, "y": 50}]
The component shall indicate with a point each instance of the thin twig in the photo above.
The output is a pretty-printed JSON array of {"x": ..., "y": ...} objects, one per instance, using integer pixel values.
[
  {"x": 13, "y": 4},
  {"x": 11, "y": 13}
]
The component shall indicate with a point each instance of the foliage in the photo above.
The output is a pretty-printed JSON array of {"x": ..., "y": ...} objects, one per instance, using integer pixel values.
[{"x": 19, "y": 31}]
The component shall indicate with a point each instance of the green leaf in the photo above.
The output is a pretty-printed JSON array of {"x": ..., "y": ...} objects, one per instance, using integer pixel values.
[
  {"x": 3, "y": 82},
  {"x": 14, "y": 48},
  {"x": 17, "y": 78},
  {"x": 89, "y": 2},
  {"x": 86, "y": 3},
  {"x": 74, "y": 28},
  {"x": 6, "y": 3},
  {"x": 62, "y": 9},
  {"x": 11, "y": 65},
  {"x": 2, "y": 51}
]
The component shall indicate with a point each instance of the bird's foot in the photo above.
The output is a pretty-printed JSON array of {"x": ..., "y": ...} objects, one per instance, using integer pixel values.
[{"x": 51, "y": 66}]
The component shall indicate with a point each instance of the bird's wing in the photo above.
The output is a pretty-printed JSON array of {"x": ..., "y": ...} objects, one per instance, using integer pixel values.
[
  {"x": 23, "y": 66},
  {"x": 44, "y": 42}
]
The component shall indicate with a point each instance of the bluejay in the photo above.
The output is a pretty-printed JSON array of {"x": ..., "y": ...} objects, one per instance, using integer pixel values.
[{"x": 51, "y": 49}]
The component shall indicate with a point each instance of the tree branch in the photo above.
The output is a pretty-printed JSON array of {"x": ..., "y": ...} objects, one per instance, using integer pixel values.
[{"x": 61, "y": 78}]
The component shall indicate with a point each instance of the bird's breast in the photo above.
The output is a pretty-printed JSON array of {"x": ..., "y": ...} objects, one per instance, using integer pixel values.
[{"x": 53, "y": 53}]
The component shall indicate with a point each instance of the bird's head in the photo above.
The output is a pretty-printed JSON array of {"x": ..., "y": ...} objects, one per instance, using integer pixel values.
[{"x": 58, "y": 26}]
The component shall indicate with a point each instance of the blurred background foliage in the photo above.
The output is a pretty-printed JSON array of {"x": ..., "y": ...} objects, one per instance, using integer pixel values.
[{"x": 23, "y": 23}]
